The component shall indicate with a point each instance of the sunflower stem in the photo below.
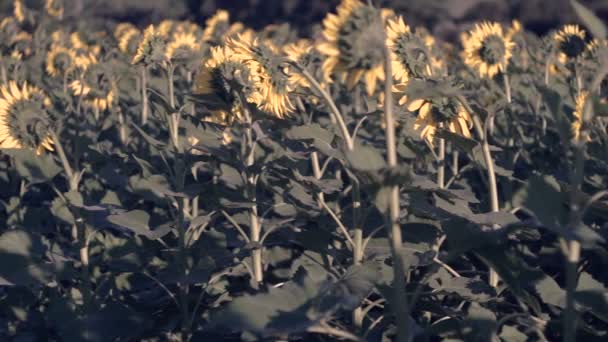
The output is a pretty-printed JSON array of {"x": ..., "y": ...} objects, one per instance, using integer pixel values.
[
  {"x": 332, "y": 106},
  {"x": 3, "y": 73},
  {"x": 482, "y": 131},
  {"x": 507, "y": 84},
  {"x": 144, "y": 95},
  {"x": 441, "y": 162},
  {"x": 399, "y": 300}
]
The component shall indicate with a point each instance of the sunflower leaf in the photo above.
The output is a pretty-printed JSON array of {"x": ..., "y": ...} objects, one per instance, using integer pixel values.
[{"x": 593, "y": 23}]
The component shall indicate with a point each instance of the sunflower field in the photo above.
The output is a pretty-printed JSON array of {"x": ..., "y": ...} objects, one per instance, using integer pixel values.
[{"x": 210, "y": 182}]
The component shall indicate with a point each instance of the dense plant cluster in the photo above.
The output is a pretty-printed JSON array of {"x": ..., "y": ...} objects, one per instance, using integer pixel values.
[{"x": 185, "y": 182}]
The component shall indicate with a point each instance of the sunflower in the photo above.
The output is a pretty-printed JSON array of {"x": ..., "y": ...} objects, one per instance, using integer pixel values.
[
  {"x": 59, "y": 60},
  {"x": 54, "y": 8},
  {"x": 487, "y": 49},
  {"x": 215, "y": 80},
  {"x": 166, "y": 28},
  {"x": 79, "y": 42},
  {"x": 270, "y": 82},
  {"x": 182, "y": 46},
  {"x": 218, "y": 28},
  {"x": 151, "y": 49},
  {"x": 129, "y": 40},
  {"x": 24, "y": 121},
  {"x": 22, "y": 44},
  {"x": 354, "y": 45},
  {"x": 570, "y": 43},
  {"x": 300, "y": 52},
  {"x": 97, "y": 90},
  {"x": 432, "y": 116},
  {"x": 122, "y": 28}
]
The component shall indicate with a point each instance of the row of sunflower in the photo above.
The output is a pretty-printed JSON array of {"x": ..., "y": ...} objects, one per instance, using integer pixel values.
[{"x": 264, "y": 66}]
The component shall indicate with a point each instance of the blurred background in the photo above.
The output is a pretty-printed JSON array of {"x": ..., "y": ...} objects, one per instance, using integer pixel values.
[{"x": 445, "y": 18}]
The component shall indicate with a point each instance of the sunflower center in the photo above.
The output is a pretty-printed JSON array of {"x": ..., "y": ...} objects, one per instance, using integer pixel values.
[
  {"x": 411, "y": 53},
  {"x": 492, "y": 49},
  {"x": 361, "y": 39},
  {"x": 62, "y": 61},
  {"x": 572, "y": 46}
]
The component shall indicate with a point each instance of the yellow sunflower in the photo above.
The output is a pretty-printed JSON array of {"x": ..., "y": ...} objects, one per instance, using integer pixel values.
[
  {"x": 570, "y": 43},
  {"x": 59, "y": 60},
  {"x": 151, "y": 49},
  {"x": 298, "y": 52},
  {"x": 218, "y": 28},
  {"x": 429, "y": 119},
  {"x": 79, "y": 43},
  {"x": 354, "y": 45},
  {"x": 99, "y": 97},
  {"x": 487, "y": 49},
  {"x": 54, "y": 8},
  {"x": 23, "y": 118},
  {"x": 129, "y": 40},
  {"x": 270, "y": 82},
  {"x": 210, "y": 81},
  {"x": 182, "y": 46},
  {"x": 122, "y": 28}
]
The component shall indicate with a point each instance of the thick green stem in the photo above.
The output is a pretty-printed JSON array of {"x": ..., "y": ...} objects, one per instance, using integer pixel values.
[
  {"x": 441, "y": 166},
  {"x": 183, "y": 264},
  {"x": 144, "y": 95},
  {"x": 399, "y": 300},
  {"x": 482, "y": 131},
  {"x": 507, "y": 83}
]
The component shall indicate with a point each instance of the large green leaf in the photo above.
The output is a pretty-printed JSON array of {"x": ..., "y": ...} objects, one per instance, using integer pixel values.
[
  {"x": 34, "y": 168},
  {"x": 22, "y": 263},
  {"x": 591, "y": 21}
]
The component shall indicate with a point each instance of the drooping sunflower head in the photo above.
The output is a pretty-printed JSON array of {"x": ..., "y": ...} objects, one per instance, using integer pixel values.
[
  {"x": 487, "y": 50},
  {"x": 97, "y": 89},
  {"x": 440, "y": 113},
  {"x": 24, "y": 119},
  {"x": 182, "y": 46},
  {"x": 304, "y": 54},
  {"x": 83, "y": 60},
  {"x": 218, "y": 28},
  {"x": 270, "y": 81},
  {"x": 166, "y": 28},
  {"x": 217, "y": 82},
  {"x": 22, "y": 44},
  {"x": 151, "y": 49},
  {"x": 54, "y": 8},
  {"x": 354, "y": 44},
  {"x": 570, "y": 43},
  {"x": 84, "y": 43},
  {"x": 129, "y": 41},
  {"x": 59, "y": 60}
]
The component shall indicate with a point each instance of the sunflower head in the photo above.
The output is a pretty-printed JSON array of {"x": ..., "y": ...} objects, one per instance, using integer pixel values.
[
  {"x": 218, "y": 28},
  {"x": 354, "y": 44},
  {"x": 411, "y": 53},
  {"x": 440, "y": 113},
  {"x": 487, "y": 50},
  {"x": 183, "y": 46},
  {"x": 217, "y": 82},
  {"x": 22, "y": 44},
  {"x": 166, "y": 28},
  {"x": 151, "y": 49},
  {"x": 24, "y": 119},
  {"x": 269, "y": 79},
  {"x": 97, "y": 89},
  {"x": 59, "y": 60},
  {"x": 129, "y": 41},
  {"x": 123, "y": 28},
  {"x": 304, "y": 54},
  {"x": 570, "y": 43},
  {"x": 84, "y": 43},
  {"x": 54, "y": 8}
]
